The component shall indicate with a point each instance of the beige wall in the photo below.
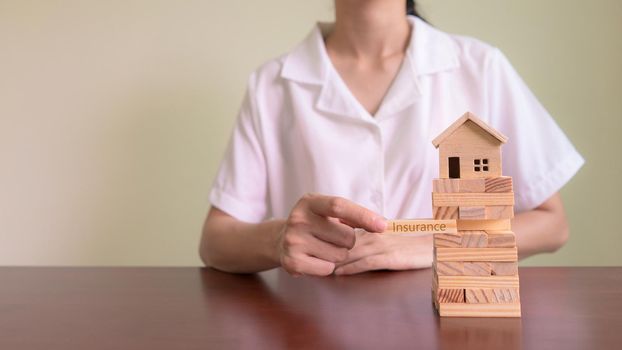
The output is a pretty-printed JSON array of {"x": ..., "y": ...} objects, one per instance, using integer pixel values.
[{"x": 114, "y": 114}]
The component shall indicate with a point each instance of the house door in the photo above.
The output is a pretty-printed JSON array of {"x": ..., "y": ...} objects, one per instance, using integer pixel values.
[{"x": 454, "y": 167}]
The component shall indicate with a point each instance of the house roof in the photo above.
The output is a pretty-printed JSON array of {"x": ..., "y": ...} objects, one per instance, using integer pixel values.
[{"x": 458, "y": 123}]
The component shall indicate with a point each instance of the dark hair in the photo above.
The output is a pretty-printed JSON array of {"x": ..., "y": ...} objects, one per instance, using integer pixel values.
[{"x": 411, "y": 9}]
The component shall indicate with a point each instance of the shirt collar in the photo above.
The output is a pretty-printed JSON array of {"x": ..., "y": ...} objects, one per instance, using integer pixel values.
[
  {"x": 429, "y": 51},
  {"x": 308, "y": 62}
]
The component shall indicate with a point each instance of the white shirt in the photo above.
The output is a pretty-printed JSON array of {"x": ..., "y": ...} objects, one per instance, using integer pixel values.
[{"x": 301, "y": 130}]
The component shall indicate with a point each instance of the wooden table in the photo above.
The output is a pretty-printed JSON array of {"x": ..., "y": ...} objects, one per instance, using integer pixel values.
[{"x": 192, "y": 308}]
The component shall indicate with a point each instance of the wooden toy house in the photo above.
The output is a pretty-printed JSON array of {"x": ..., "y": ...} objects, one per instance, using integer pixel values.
[
  {"x": 475, "y": 269},
  {"x": 469, "y": 149}
]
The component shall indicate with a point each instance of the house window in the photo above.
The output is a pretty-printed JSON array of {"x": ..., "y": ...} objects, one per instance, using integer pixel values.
[{"x": 480, "y": 164}]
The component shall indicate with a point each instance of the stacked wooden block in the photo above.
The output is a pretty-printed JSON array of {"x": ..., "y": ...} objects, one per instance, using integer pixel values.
[{"x": 475, "y": 269}]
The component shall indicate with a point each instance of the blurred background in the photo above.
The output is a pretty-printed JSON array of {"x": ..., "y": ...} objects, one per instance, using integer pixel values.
[{"x": 114, "y": 114}]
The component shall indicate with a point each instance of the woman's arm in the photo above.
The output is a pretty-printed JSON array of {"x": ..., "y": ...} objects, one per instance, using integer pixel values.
[
  {"x": 235, "y": 246},
  {"x": 543, "y": 229}
]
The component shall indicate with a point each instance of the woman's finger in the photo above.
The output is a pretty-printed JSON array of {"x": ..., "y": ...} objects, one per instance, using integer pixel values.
[
  {"x": 368, "y": 263},
  {"x": 332, "y": 231},
  {"x": 325, "y": 251},
  {"x": 303, "y": 264},
  {"x": 366, "y": 244},
  {"x": 343, "y": 209}
]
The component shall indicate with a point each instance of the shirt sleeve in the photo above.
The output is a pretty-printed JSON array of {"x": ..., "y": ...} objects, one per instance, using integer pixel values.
[
  {"x": 240, "y": 185},
  {"x": 538, "y": 155}
]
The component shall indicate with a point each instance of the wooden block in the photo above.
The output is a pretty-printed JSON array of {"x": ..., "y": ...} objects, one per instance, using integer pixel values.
[
  {"x": 434, "y": 299},
  {"x": 466, "y": 282},
  {"x": 501, "y": 239},
  {"x": 446, "y": 295},
  {"x": 476, "y": 254},
  {"x": 464, "y": 239},
  {"x": 474, "y": 268},
  {"x": 472, "y": 185},
  {"x": 445, "y": 213},
  {"x": 449, "y": 268},
  {"x": 479, "y": 296},
  {"x": 497, "y": 212},
  {"x": 473, "y": 239},
  {"x": 447, "y": 240},
  {"x": 504, "y": 268},
  {"x": 491, "y": 295},
  {"x": 506, "y": 295},
  {"x": 479, "y": 310},
  {"x": 446, "y": 185},
  {"x": 487, "y": 225},
  {"x": 471, "y": 199},
  {"x": 472, "y": 213},
  {"x": 450, "y": 296},
  {"x": 459, "y": 185},
  {"x": 421, "y": 226},
  {"x": 434, "y": 291},
  {"x": 498, "y": 184}
]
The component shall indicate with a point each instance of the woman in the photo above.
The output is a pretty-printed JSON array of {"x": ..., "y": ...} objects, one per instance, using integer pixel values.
[{"x": 349, "y": 115}]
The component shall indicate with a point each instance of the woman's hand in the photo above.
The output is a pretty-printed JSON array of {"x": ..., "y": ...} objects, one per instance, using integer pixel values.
[
  {"x": 319, "y": 232},
  {"x": 374, "y": 251}
]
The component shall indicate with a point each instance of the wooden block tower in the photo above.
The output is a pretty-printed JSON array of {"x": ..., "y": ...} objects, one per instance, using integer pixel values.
[{"x": 475, "y": 270}]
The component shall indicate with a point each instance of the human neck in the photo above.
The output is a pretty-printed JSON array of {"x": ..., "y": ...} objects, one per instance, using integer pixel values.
[{"x": 369, "y": 28}]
